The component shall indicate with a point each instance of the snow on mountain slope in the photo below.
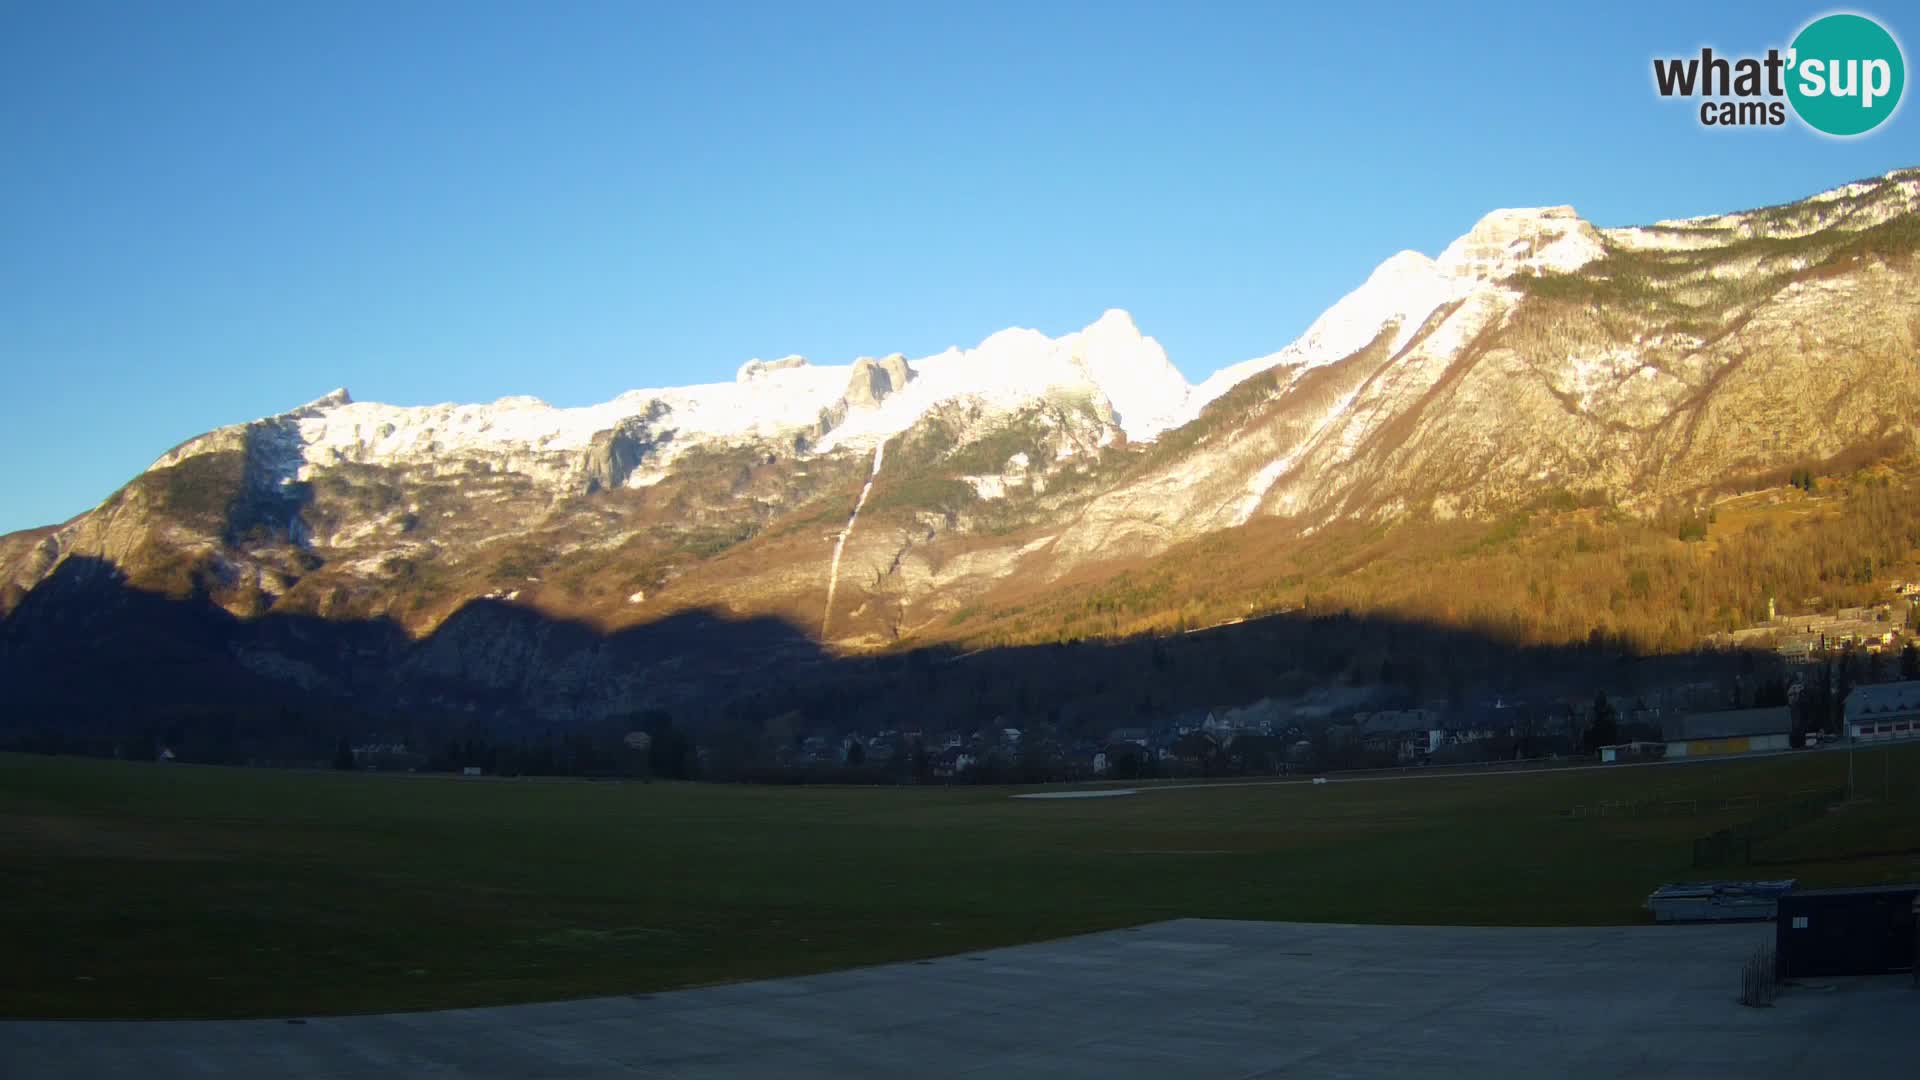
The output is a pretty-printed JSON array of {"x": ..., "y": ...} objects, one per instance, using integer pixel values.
[
  {"x": 1536, "y": 355},
  {"x": 770, "y": 403},
  {"x": 1853, "y": 207},
  {"x": 1534, "y": 239},
  {"x": 1147, "y": 392},
  {"x": 824, "y": 408},
  {"x": 829, "y": 407},
  {"x": 1122, "y": 374},
  {"x": 1405, "y": 289},
  {"x": 1015, "y": 366}
]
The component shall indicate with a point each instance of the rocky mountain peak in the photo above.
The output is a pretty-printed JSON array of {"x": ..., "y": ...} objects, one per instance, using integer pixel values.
[
  {"x": 1401, "y": 265},
  {"x": 334, "y": 399},
  {"x": 755, "y": 368},
  {"x": 1132, "y": 370},
  {"x": 872, "y": 380},
  {"x": 1528, "y": 239}
]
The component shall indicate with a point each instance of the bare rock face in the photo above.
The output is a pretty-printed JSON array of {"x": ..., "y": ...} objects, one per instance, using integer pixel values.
[
  {"x": 898, "y": 373},
  {"x": 332, "y": 400},
  {"x": 1568, "y": 364},
  {"x": 1508, "y": 242},
  {"x": 873, "y": 380},
  {"x": 616, "y": 454},
  {"x": 868, "y": 384}
]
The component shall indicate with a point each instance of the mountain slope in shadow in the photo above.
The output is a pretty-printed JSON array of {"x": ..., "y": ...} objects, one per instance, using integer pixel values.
[{"x": 85, "y": 655}]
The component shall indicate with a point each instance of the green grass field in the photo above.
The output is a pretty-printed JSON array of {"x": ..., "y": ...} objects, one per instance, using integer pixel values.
[{"x": 148, "y": 890}]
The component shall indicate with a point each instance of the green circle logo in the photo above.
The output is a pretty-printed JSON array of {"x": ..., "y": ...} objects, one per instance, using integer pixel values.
[{"x": 1846, "y": 74}]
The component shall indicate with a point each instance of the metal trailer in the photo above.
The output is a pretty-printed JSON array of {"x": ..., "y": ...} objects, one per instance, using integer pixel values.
[
  {"x": 1863, "y": 931},
  {"x": 1717, "y": 901}
]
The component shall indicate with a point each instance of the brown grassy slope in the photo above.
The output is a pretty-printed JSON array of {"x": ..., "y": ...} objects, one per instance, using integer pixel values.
[{"x": 1557, "y": 572}]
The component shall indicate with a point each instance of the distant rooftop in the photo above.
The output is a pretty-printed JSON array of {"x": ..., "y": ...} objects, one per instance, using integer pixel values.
[
  {"x": 1730, "y": 723},
  {"x": 1882, "y": 698}
]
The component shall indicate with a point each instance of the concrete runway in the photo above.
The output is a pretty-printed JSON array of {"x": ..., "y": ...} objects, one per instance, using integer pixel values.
[{"x": 1186, "y": 998}]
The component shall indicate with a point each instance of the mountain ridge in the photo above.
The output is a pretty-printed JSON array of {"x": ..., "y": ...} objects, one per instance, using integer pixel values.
[
  {"x": 1653, "y": 369},
  {"x": 1015, "y": 362}
]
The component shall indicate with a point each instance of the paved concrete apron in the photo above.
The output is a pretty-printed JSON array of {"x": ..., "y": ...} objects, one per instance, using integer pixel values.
[{"x": 1188, "y": 998}]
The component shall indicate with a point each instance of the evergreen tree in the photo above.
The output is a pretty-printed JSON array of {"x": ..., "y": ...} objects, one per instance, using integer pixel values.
[
  {"x": 1848, "y": 677},
  {"x": 1811, "y": 710},
  {"x": 1770, "y": 694},
  {"x": 1605, "y": 729},
  {"x": 1876, "y": 667}
]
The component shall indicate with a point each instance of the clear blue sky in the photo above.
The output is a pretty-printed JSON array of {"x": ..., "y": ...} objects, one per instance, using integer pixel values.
[{"x": 211, "y": 212}]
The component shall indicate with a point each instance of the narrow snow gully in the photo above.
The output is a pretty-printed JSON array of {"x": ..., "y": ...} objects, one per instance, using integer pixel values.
[
  {"x": 1263, "y": 481},
  {"x": 840, "y": 545}
]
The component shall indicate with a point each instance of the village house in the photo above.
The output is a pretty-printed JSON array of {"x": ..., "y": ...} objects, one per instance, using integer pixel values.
[
  {"x": 1124, "y": 757},
  {"x": 1258, "y": 753},
  {"x": 950, "y": 763},
  {"x": 1259, "y": 718},
  {"x": 1195, "y": 749},
  {"x": 1800, "y": 648},
  {"x": 1801, "y": 638},
  {"x": 388, "y": 757},
  {"x": 1465, "y": 729},
  {"x": 1408, "y": 734},
  {"x": 883, "y": 748}
]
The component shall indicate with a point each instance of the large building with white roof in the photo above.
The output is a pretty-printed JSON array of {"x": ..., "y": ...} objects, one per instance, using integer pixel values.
[{"x": 1884, "y": 711}]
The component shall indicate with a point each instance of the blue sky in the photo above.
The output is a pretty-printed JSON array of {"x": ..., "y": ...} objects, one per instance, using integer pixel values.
[{"x": 211, "y": 212}]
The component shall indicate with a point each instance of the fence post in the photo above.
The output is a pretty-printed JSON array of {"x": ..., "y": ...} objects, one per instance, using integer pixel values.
[{"x": 1759, "y": 978}]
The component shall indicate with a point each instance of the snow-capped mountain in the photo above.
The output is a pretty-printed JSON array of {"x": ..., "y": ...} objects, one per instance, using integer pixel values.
[
  {"x": 814, "y": 408},
  {"x": 874, "y": 501},
  {"x": 825, "y": 408}
]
